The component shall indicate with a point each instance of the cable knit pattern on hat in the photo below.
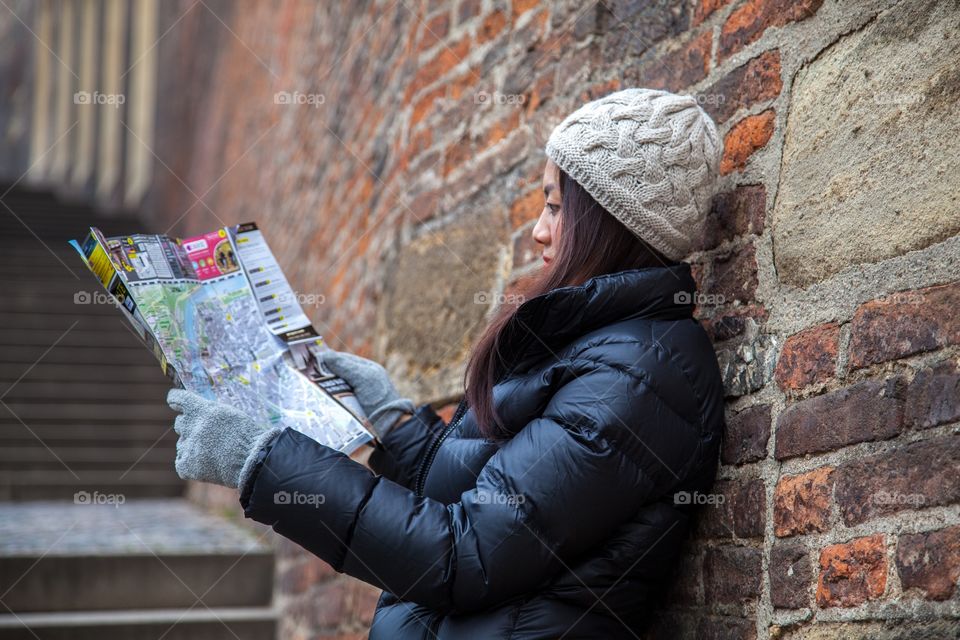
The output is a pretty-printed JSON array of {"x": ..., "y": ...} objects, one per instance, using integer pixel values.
[{"x": 649, "y": 157}]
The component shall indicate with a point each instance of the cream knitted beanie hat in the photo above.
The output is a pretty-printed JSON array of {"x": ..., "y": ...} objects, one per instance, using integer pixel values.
[{"x": 649, "y": 157}]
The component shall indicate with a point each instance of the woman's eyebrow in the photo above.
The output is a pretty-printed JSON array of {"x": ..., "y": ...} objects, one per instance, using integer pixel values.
[{"x": 547, "y": 189}]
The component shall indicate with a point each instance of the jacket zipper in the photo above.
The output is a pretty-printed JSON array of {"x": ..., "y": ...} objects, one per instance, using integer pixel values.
[{"x": 435, "y": 446}]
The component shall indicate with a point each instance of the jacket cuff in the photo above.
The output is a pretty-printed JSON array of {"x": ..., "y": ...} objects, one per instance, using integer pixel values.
[
  {"x": 386, "y": 415},
  {"x": 296, "y": 491},
  {"x": 251, "y": 468}
]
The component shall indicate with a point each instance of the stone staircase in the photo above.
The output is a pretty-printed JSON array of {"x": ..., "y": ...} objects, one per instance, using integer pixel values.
[
  {"x": 143, "y": 569},
  {"x": 96, "y": 540},
  {"x": 81, "y": 399}
]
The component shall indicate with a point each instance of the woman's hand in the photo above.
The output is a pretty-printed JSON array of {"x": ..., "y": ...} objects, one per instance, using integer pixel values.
[
  {"x": 376, "y": 394},
  {"x": 217, "y": 442}
]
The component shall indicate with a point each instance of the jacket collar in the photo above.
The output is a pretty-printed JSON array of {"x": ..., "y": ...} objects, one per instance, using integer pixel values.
[{"x": 546, "y": 322}]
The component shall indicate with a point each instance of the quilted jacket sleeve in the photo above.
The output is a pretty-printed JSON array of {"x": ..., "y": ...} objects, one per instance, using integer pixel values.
[{"x": 605, "y": 444}]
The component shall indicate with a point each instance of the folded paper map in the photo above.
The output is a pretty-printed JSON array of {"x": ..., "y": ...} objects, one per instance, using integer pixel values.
[{"x": 224, "y": 322}]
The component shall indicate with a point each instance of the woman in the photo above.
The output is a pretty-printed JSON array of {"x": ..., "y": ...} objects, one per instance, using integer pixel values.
[{"x": 554, "y": 503}]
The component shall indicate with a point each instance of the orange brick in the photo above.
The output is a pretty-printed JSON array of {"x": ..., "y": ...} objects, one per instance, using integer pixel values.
[
  {"x": 542, "y": 89},
  {"x": 492, "y": 25},
  {"x": 706, "y": 8},
  {"x": 801, "y": 503},
  {"x": 808, "y": 357},
  {"x": 499, "y": 130},
  {"x": 520, "y": 7},
  {"x": 446, "y": 58},
  {"x": 457, "y": 154},
  {"x": 853, "y": 572},
  {"x": 425, "y": 105},
  {"x": 600, "y": 89},
  {"x": 756, "y": 81},
  {"x": 419, "y": 142},
  {"x": 748, "y": 22},
  {"x": 434, "y": 31},
  {"x": 744, "y": 139},
  {"x": 526, "y": 208},
  {"x": 463, "y": 84}
]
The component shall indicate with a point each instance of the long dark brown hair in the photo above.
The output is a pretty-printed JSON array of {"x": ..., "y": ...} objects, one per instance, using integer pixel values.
[{"x": 592, "y": 242}]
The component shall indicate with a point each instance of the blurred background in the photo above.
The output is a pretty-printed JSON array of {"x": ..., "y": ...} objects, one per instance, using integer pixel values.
[{"x": 391, "y": 151}]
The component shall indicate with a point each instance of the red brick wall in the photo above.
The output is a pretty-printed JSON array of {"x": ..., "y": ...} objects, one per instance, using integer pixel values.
[{"x": 413, "y": 187}]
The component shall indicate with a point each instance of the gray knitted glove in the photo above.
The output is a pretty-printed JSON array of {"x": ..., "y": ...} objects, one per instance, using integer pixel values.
[
  {"x": 376, "y": 394},
  {"x": 217, "y": 443}
]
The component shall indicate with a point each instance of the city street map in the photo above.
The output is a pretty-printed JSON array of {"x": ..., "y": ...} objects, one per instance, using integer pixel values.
[{"x": 222, "y": 319}]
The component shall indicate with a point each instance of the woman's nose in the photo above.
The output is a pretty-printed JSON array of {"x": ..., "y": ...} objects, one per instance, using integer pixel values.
[{"x": 541, "y": 232}]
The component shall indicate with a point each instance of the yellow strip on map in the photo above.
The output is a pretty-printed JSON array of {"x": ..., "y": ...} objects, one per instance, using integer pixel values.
[{"x": 101, "y": 265}]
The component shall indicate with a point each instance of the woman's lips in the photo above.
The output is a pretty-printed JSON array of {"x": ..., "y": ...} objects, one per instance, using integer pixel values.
[{"x": 546, "y": 260}]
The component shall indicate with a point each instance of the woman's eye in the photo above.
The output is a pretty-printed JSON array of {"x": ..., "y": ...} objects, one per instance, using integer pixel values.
[{"x": 554, "y": 208}]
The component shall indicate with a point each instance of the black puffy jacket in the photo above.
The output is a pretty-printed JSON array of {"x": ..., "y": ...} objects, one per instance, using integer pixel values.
[{"x": 566, "y": 529}]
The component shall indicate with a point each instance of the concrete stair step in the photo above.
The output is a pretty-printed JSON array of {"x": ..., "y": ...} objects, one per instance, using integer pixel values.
[
  {"x": 88, "y": 412},
  {"x": 31, "y": 390},
  {"x": 63, "y": 483},
  {"x": 63, "y": 304},
  {"x": 106, "y": 372},
  {"x": 56, "y": 275},
  {"x": 27, "y": 226},
  {"x": 62, "y": 297},
  {"x": 200, "y": 623},
  {"x": 60, "y": 322},
  {"x": 90, "y": 479},
  {"x": 105, "y": 435},
  {"x": 53, "y": 222},
  {"x": 88, "y": 336},
  {"x": 172, "y": 487},
  {"x": 32, "y": 269},
  {"x": 54, "y": 456},
  {"x": 78, "y": 355},
  {"x": 22, "y": 220},
  {"x": 95, "y": 582},
  {"x": 103, "y": 553},
  {"x": 125, "y": 349},
  {"x": 59, "y": 289},
  {"x": 38, "y": 252}
]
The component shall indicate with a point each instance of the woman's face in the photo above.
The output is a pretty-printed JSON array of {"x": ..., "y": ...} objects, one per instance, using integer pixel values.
[{"x": 547, "y": 230}]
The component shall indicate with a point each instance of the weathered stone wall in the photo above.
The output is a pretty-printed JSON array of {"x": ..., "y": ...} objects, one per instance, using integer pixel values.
[{"x": 401, "y": 186}]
